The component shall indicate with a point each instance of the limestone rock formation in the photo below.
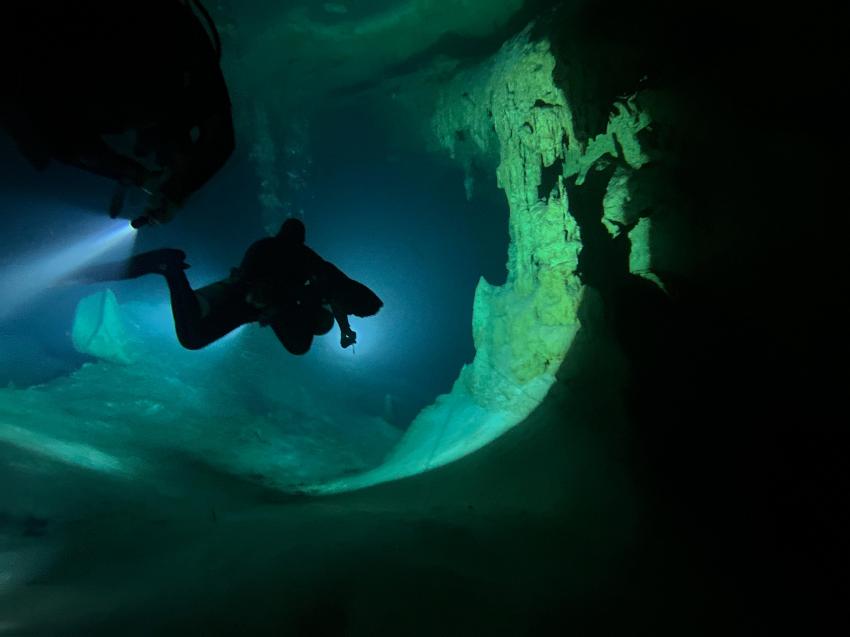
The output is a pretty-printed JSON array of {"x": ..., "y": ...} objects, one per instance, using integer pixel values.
[
  {"x": 511, "y": 115},
  {"x": 625, "y": 205},
  {"x": 98, "y": 329}
]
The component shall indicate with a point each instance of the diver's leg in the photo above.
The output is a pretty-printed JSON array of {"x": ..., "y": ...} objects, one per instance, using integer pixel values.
[
  {"x": 197, "y": 325},
  {"x": 186, "y": 309}
]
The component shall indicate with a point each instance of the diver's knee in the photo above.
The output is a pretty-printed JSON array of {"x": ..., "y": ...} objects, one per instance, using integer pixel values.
[
  {"x": 298, "y": 349},
  {"x": 191, "y": 342},
  {"x": 324, "y": 323},
  {"x": 298, "y": 346}
]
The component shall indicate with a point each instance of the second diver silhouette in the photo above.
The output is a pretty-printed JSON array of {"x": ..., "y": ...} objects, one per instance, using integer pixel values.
[
  {"x": 281, "y": 283},
  {"x": 130, "y": 91}
]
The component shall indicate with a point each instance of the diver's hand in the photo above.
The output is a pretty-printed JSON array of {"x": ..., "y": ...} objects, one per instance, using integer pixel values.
[{"x": 347, "y": 338}]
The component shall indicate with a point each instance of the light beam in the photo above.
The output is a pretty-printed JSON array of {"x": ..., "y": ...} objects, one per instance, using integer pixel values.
[{"x": 31, "y": 275}]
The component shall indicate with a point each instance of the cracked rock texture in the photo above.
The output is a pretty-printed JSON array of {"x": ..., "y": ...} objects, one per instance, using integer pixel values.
[
  {"x": 513, "y": 107},
  {"x": 523, "y": 328}
]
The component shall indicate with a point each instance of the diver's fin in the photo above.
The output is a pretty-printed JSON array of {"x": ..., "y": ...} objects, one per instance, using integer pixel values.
[{"x": 154, "y": 262}]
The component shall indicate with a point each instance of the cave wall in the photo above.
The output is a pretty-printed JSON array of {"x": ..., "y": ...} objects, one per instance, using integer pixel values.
[{"x": 509, "y": 114}]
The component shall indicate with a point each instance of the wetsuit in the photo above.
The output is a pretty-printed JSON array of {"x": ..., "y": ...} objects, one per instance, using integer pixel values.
[
  {"x": 280, "y": 284},
  {"x": 297, "y": 293}
]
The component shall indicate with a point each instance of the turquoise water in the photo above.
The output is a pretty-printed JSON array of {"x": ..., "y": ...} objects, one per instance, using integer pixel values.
[{"x": 680, "y": 477}]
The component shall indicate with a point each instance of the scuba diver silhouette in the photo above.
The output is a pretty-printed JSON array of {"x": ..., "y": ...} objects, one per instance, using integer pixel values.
[
  {"x": 132, "y": 91},
  {"x": 281, "y": 283}
]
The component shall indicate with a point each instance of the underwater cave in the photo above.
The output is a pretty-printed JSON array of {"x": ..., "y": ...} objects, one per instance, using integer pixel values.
[{"x": 579, "y": 408}]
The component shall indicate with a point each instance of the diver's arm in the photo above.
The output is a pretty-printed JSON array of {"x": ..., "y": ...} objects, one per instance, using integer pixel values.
[
  {"x": 332, "y": 281},
  {"x": 347, "y": 335}
]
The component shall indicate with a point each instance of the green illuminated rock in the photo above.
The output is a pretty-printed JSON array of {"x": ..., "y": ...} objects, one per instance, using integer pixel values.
[
  {"x": 521, "y": 329},
  {"x": 509, "y": 113}
]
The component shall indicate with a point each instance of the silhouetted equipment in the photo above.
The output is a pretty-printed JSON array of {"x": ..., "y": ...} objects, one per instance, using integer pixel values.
[
  {"x": 132, "y": 91},
  {"x": 140, "y": 222},
  {"x": 290, "y": 285},
  {"x": 281, "y": 283}
]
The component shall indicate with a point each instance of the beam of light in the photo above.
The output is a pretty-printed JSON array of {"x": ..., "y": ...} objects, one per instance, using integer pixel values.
[{"x": 31, "y": 275}]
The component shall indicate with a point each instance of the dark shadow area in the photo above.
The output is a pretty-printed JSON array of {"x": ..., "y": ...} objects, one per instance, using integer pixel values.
[{"x": 729, "y": 386}]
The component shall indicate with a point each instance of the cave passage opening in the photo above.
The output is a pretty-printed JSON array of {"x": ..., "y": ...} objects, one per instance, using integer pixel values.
[{"x": 393, "y": 216}]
